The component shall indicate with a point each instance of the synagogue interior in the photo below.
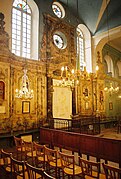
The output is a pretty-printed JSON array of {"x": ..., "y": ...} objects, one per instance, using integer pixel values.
[{"x": 60, "y": 82}]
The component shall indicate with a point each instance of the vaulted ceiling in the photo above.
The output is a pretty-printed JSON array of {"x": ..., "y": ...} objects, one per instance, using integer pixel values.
[{"x": 97, "y": 15}]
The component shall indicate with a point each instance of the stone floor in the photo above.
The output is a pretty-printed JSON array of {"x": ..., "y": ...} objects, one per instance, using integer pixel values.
[{"x": 110, "y": 133}]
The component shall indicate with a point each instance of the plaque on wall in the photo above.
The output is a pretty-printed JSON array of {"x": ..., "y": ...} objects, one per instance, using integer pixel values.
[{"x": 25, "y": 106}]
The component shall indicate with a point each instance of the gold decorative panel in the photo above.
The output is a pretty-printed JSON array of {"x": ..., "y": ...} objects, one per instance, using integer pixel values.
[{"x": 49, "y": 51}]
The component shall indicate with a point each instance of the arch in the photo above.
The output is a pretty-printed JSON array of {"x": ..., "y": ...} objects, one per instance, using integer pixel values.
[
  {"x": 119, "y": 67},
  {"x": 87, "y": 46},
  {"x": 110, "y": 67},
  {"x": 101, "y": 39},
  {"x": 35, "y": 30}
]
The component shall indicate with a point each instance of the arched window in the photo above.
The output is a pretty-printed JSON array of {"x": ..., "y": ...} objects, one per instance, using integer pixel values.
[
  {"x": 21, "y": 29},
  {"x": 80, "y": 49},
  {"x": 24, "y": 18},
  {"x": 84, "y": 48}
]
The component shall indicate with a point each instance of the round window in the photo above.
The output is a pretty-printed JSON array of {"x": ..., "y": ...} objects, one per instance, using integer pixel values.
[{"x": 58, "y": 10}]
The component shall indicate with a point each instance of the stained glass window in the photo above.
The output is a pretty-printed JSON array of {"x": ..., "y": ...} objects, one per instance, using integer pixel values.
[
  {"x": 21, "y": 29},
  {"x": 58, "y": 10},
  {"x": 20, "y": 4}
]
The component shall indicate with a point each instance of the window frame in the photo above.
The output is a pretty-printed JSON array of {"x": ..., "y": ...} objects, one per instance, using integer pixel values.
[
  {"x": 61, "y": 8},
  {"x": 81, "y": 50},
  {"x": 22, "y": 12}
]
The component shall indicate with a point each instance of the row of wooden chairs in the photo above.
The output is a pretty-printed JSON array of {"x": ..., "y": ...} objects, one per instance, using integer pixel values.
[
  {"x": 54, "y": 160},
  {"x": 16, "y": 169}
]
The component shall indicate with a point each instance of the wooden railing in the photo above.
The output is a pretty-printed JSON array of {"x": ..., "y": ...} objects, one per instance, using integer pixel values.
[{"x": 101, "y": 148}]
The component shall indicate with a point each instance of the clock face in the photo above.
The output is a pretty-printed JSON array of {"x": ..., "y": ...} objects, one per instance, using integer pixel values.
[{"x": 58, "y": 41}]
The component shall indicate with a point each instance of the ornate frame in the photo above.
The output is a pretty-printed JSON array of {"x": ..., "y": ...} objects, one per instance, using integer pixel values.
[{"x": 25, "y": 107}]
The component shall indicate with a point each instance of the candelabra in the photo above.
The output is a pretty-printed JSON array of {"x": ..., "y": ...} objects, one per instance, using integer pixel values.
[
  {"x": 68, "y": 78},
  {"x": 111, "y": 90}
]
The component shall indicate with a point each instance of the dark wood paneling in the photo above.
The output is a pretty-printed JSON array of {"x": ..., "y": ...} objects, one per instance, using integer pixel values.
[
  {"x": 88, "y": 145},
  {"x": 46, "y": 136},
  {"x": 74, "y": 143},
  {"x": 109, "y": 149},
  {"x": 101, "y": 148},
  {"x": 58, "y": 139}
]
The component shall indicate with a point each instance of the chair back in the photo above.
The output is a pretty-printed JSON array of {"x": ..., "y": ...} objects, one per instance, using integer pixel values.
[
  {"x": 90, "y": 168},
  {"x": 67, "y": 162},
  {"x": 6, "y": 160},
  {"x": 40, "y": 154},
  {"x": 20, "y": 149},
  {"x": 53, "y": 163},
  {"x": 111, "y": 171},
  {"x": 30, "y": 153},
  {"x": 34, "y": 172},
  {"x": 39, "y": 149},
  {"x": 51, "y": 155},
  {"x": 18, "y": 142},
  {"x": 17, "y": 168},
  {"x": 28, "y": 146}
]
